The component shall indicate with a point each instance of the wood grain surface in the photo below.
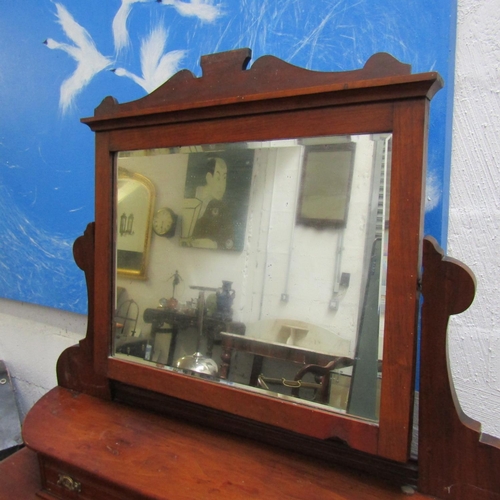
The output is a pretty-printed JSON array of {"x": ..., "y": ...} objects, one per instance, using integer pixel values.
[{"x": 153, "y": 457}]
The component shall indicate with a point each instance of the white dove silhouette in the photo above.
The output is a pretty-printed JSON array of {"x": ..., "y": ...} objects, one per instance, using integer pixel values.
[
  {"x": 156, "y": 66},
  {"x": 202, "y": 9},
  {"x": 89, "y": 60},
  {"x": 119, "y": 25}
]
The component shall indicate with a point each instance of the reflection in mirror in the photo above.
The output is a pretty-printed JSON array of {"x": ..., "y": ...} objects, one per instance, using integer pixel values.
[
  {"x": 134, "y": 203},
  {"x": 273, "y": 279}
]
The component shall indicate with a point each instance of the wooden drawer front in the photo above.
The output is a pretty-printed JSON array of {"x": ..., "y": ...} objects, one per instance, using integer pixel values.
[{"x": 67, "y": 483}]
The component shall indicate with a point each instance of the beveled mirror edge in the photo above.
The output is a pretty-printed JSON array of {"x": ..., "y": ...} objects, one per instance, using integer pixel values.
[{"x": 419, "y": 90}]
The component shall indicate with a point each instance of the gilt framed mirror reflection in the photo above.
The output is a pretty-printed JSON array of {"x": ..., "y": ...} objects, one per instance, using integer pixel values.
[
  {"x": 286, "y": 291},
  {"x": 135, "y": 200}
]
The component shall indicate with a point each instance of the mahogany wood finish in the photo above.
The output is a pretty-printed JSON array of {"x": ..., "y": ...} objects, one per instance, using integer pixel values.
[
  {"x": 115, "y": 452},
  {"x": 357, "y": 433},
  {"x": 456, "y": 461},
  {"x": 75, "y": 365},
  {"x": 20, "y": 476},
  {"x": 275, "y": 100},
  {"x": 333, "y": 452},
  {"x": 225, "y": 83}
]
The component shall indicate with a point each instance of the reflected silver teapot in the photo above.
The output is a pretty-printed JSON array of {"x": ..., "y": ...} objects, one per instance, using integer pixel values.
[{"x": 198, "y": 363}]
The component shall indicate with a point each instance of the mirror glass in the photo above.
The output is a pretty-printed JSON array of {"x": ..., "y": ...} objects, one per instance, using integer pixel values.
[
  {"x": 267, "y": 267},
  {"x": 134, "y": 205}
]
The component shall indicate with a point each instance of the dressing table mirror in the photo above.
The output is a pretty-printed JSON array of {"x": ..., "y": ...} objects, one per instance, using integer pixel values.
[{"x": 277, "y": 219}]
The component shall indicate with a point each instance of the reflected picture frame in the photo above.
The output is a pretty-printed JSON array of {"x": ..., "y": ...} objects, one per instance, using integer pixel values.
[
  {"x": 325, "y": 187},
  {"x": 134, "y": 224},
  {"x": 216, "y": 199}
]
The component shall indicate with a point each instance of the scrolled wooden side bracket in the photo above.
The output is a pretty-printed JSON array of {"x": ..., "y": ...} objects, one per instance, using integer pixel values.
[
  {"x": 455, "y": 461},
  {"x": 75, "y": 366}
]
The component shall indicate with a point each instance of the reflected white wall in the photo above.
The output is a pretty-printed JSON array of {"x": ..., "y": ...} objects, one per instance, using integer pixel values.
[{"x": 286, "y": 270}]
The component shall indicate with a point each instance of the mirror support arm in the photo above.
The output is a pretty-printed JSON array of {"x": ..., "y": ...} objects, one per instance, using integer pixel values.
[
  {"x": 75, "y": 366},
  {"x": 456, "y": 460}
]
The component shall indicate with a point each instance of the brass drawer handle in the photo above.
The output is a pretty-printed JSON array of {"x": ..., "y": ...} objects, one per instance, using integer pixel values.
[{"x": 69, "y": 483}]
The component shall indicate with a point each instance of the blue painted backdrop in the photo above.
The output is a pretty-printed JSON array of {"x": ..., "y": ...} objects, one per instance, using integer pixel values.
[{"x": 56, "y": 62}]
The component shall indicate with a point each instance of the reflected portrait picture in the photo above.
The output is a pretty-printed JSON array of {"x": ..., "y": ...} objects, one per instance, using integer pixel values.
[{"x": 216, "y": 199}]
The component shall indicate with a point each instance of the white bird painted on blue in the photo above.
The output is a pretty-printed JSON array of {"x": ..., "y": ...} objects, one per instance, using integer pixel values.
[
  {"x": 202, "y": 9},
  {"x": 119, "y": 26},
  {"x": 89, "y": 60},
  {"x": 156, "y": 66}
]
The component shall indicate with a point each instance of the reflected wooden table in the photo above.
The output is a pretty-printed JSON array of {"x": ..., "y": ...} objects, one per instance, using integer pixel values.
[
  {"x": 264, "y": 349},
  {"x": 172, "y": 321}
]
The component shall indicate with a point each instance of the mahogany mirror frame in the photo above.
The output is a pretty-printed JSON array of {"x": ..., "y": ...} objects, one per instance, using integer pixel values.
[{"x": 275, "y": 100}]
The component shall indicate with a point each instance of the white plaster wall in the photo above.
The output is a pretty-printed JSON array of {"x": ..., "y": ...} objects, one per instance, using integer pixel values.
[
  {"x": 474, "y": 237},
  {"x": 31, "y": 339}
]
